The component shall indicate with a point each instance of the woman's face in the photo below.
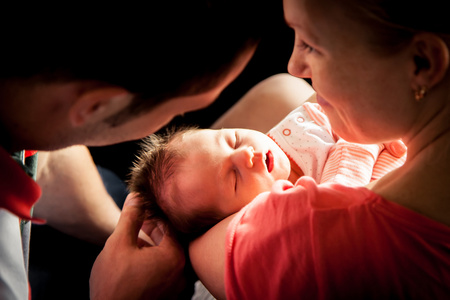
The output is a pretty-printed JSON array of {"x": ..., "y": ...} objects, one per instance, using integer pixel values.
[{"x": 367, "y": 96}]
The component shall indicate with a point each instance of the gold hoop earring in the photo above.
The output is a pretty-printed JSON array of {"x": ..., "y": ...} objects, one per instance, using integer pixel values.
[{"x": 420, "y": 93}]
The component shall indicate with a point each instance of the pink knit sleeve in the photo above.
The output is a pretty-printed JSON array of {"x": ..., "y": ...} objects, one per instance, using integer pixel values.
[{"x": 350, "y": 164}]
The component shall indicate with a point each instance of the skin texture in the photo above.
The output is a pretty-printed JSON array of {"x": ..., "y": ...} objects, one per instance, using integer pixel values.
[
  {"x": 269, "y": 102},
  {"x": 124, "y": 242},
  {"x": 341, "y": 77},
  {"x": 75, "y": 112},
  {"x": 369, "y": 98},
  {"x": 55, "y": 116},
  {"x": 222, "y": 170},
  {"x": 156, "y": 270},
  {"x": 71, "y": 172},
  {"x": 51, "y": 112}
]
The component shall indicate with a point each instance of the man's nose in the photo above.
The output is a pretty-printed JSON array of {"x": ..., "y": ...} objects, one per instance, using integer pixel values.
[{"x": 243, "y": 156}]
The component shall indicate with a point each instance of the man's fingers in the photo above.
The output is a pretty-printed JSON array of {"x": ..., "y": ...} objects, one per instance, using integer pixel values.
[
  {"x": 130, "y": 220},
  {"x": 152, "y": 232}
]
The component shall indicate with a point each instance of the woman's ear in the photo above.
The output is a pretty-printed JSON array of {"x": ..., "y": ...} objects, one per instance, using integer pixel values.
[
  {"x": 431, "y": 60},
  {"x": 98, "y": 104}
]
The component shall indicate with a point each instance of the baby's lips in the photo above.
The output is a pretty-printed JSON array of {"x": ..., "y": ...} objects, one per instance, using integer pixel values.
[
  {"x": 269, "y": 161},
  {"x": 396, "y": 148},
  {"x": 266, "y": 159}
]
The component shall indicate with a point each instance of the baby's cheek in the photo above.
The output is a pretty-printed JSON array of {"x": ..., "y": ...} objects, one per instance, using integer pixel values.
[{"x": 264, "y": 186}]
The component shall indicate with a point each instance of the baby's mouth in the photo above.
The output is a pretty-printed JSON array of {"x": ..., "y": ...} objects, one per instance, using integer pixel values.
[{"x": 269, "y": 161}]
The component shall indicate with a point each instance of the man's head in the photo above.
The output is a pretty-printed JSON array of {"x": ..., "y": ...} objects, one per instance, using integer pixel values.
[
  {"x": 140, "y": 57},
  {"x": 194, "y": 178}
]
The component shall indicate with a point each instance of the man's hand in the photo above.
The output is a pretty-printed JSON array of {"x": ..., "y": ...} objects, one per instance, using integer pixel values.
[{"x": 128, "y": 268}]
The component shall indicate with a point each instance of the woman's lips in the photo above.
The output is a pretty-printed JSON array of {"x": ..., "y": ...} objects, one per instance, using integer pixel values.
[{"x": 269, "y": 161}]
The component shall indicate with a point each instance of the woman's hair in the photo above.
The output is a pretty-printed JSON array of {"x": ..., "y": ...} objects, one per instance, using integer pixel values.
[
  {"x": 155, "y": 166},
  {"x": 156, "y": 50},
  {"x": 393, "y": 23}
]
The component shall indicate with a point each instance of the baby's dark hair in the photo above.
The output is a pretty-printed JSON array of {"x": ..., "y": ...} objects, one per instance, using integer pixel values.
[{"x": 156, "y": 164}]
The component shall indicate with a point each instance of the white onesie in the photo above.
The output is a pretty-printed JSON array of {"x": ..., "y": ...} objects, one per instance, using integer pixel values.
[{"x": 306, "y": 137}]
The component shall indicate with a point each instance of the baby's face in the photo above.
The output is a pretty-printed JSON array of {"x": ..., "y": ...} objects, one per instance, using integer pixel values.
[{"x": 225, "y": 169}]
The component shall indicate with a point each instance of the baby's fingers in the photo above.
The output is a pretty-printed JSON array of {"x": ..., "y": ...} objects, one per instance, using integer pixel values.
[{"x": 396, "y": 148}]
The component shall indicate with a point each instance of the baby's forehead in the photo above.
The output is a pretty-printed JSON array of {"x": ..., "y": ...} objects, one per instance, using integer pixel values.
[
  {"x": 189, "y": 136},
  {"x": 197, "y": 149},
  {"x": 180, "y": 140},
  {"x": 186, "y": 146},
  {"x": 194, "y": 139},
  {"x": 192, "y": 174}
]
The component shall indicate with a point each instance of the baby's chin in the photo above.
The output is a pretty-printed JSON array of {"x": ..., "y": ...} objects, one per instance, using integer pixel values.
[
  {"x": 281, "y": 166},
  {"x": 284, "y": 169},
  {"x": 280, "y": 174}
]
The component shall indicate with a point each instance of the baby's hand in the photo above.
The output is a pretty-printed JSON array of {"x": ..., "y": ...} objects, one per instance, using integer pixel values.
[{"x": 396, "y": 148}]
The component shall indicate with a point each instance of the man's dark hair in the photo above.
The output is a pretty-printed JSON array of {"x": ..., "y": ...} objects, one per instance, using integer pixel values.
[{"x": 157, "y": 50}]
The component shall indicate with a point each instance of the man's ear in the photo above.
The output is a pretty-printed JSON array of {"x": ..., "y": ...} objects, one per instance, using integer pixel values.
[
  {"x": 431, "y": 60},
  {"x": 97, "y": 104}
]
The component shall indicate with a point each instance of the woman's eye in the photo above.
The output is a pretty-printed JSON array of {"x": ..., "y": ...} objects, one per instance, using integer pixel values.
[{"x": 305, "y": 47}]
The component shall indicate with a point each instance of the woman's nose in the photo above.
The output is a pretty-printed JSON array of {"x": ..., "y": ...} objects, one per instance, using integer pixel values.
[
  {"x": 243, "y": 156},
  {"x": 297, "y": 66}
]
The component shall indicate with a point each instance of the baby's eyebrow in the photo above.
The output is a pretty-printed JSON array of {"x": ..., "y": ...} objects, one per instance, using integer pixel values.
[
  {"x": 227, "y": 136},
  {"x": 220, "y": 136}
]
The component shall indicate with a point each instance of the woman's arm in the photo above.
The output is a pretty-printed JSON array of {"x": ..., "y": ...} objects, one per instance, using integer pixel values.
[
  {"x": 267, "y": 103},
  {"x": 207, "y": 254}
]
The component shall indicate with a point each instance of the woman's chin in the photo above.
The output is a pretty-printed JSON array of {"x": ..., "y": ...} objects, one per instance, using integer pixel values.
[{"x": 321, "y": 101}]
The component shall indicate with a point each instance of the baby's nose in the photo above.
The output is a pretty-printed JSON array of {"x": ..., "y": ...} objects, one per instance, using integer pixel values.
[{"x": 244, "y": 156}]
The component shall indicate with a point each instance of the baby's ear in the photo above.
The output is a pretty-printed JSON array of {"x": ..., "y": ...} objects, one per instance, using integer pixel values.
[
  {"x": 431, "y": 60},
  {"x": 98, "y": 104}
]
